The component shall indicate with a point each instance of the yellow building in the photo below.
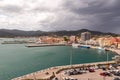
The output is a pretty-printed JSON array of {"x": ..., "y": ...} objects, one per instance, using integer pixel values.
[
  {"x": 104, "y": 41},
  {"x": 107, "y": 42},
  {"x": 118, "y": 45}
]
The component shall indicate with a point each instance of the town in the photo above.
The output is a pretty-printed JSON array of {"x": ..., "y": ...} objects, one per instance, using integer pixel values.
[
  {"x": 88, "y": 71},
  {"x": 86, "y": 38}
]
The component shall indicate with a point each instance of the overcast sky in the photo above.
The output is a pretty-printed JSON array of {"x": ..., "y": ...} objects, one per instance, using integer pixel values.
[{"x": 100, "y": 15}]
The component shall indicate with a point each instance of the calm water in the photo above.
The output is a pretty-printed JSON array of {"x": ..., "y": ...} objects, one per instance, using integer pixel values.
[{"x": 17, "y": 60}]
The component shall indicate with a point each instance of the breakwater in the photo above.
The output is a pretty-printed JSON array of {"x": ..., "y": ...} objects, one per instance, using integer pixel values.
[{"x": 44, "y": 45}]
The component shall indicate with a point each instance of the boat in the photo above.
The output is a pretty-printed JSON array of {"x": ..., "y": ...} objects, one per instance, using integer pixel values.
[
  {"x": 84, "y": 46},
  {"x": 74, "y": 45},
  {"x": 100, "y": 48}
]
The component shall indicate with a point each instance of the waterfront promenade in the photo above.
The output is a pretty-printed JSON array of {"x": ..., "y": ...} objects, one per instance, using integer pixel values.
[{"x": 49, "y": 73}]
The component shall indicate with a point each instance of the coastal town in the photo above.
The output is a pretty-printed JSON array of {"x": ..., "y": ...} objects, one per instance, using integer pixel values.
[
  {"x": 107, "y": 70},
  {"x": 59, "y": 39},
  {"x": 85, "y": 38}
]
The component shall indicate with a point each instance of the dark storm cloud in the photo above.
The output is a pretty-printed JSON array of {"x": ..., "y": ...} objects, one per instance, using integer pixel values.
[
  {"x": 105, "y": 13},
  {"x": 101, "y": 15}
]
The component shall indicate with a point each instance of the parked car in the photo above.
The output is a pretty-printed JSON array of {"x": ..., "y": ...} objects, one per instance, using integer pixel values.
[
  {"x": 105, "y": 74},
  {"x": 91, "y": 70},
  {"x": 116, "y": 78}
]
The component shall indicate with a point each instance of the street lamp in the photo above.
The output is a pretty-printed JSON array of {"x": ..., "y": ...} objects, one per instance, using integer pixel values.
[
  {"x": 107, "y": 55},
  {"x": 34, "y": 76},
  {"x": 71, "y": 57}
]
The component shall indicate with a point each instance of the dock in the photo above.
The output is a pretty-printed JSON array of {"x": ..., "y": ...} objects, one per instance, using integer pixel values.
[{"x": 44, "y": 45}]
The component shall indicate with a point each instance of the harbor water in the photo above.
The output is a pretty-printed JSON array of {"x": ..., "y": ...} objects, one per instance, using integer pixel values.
[{"x": 17, "y": 60}]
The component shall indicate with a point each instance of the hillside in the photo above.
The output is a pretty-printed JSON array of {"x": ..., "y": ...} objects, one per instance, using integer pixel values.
[{"x": 16, "y": 33}]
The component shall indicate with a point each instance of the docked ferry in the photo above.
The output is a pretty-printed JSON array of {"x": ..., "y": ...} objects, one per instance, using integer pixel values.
[{"x": 84, "y": 46}]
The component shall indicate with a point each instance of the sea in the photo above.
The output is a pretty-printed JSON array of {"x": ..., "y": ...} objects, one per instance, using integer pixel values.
[{"x": 17, "y": 60}]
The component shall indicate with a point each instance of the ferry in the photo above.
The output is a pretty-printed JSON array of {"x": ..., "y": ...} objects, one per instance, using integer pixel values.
[{"x": 84, "y": 46}]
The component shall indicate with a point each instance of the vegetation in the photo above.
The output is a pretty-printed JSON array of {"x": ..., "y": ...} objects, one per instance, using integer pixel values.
[{"x": 16, "y": 33}]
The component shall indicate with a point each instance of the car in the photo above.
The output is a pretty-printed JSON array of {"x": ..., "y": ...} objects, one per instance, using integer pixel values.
[
  {"x": 91, "y": 70},
  {"x": 116, "y": 78},
  {"x": 105, "y": 74}
]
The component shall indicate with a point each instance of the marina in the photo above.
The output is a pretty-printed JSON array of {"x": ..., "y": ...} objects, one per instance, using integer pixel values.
[
  {"x": 51, "y": 73},
  {"x": 59, "y": 40},
  {"x": 23, "y": 60}
]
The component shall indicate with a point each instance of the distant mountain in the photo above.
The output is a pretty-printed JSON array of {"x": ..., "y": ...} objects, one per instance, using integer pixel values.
[{"x": 16, "y": 33}]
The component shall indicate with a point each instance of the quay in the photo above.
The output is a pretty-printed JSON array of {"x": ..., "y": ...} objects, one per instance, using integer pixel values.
[
  {"x": 50, "y": 73},
  {"x": 44, "y": 45}
]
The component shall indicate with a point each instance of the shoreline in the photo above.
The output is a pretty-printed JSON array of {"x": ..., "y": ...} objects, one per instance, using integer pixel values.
[
  {"x": 56, "y": 70},
  {"x": 116, "y": 51}
]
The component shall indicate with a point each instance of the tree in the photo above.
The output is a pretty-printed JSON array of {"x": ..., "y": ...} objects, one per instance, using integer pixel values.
[{"x": 66, "y": 38}]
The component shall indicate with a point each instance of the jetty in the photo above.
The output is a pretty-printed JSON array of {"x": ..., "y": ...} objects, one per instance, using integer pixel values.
[{"x": 44, "y": 45}]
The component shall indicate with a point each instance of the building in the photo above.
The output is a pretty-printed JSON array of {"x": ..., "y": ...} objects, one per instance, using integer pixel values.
[
  {"x": 118, "y": 45},
  {"x": 73, "y": 39},
  {"x": 50, "y": 40},
  {"x": 85, "y": 36},
  {"x": 116, "y": 42}
]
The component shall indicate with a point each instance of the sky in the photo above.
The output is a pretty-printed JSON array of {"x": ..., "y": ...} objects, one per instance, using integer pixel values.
[{"x": 52, "y": 15}]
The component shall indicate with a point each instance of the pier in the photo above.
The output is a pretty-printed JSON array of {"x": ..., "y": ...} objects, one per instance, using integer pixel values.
[{"x": 44, "y": 45}]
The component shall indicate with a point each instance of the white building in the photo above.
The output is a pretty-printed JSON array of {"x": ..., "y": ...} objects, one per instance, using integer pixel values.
[{"x": 85, "y": 36}]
